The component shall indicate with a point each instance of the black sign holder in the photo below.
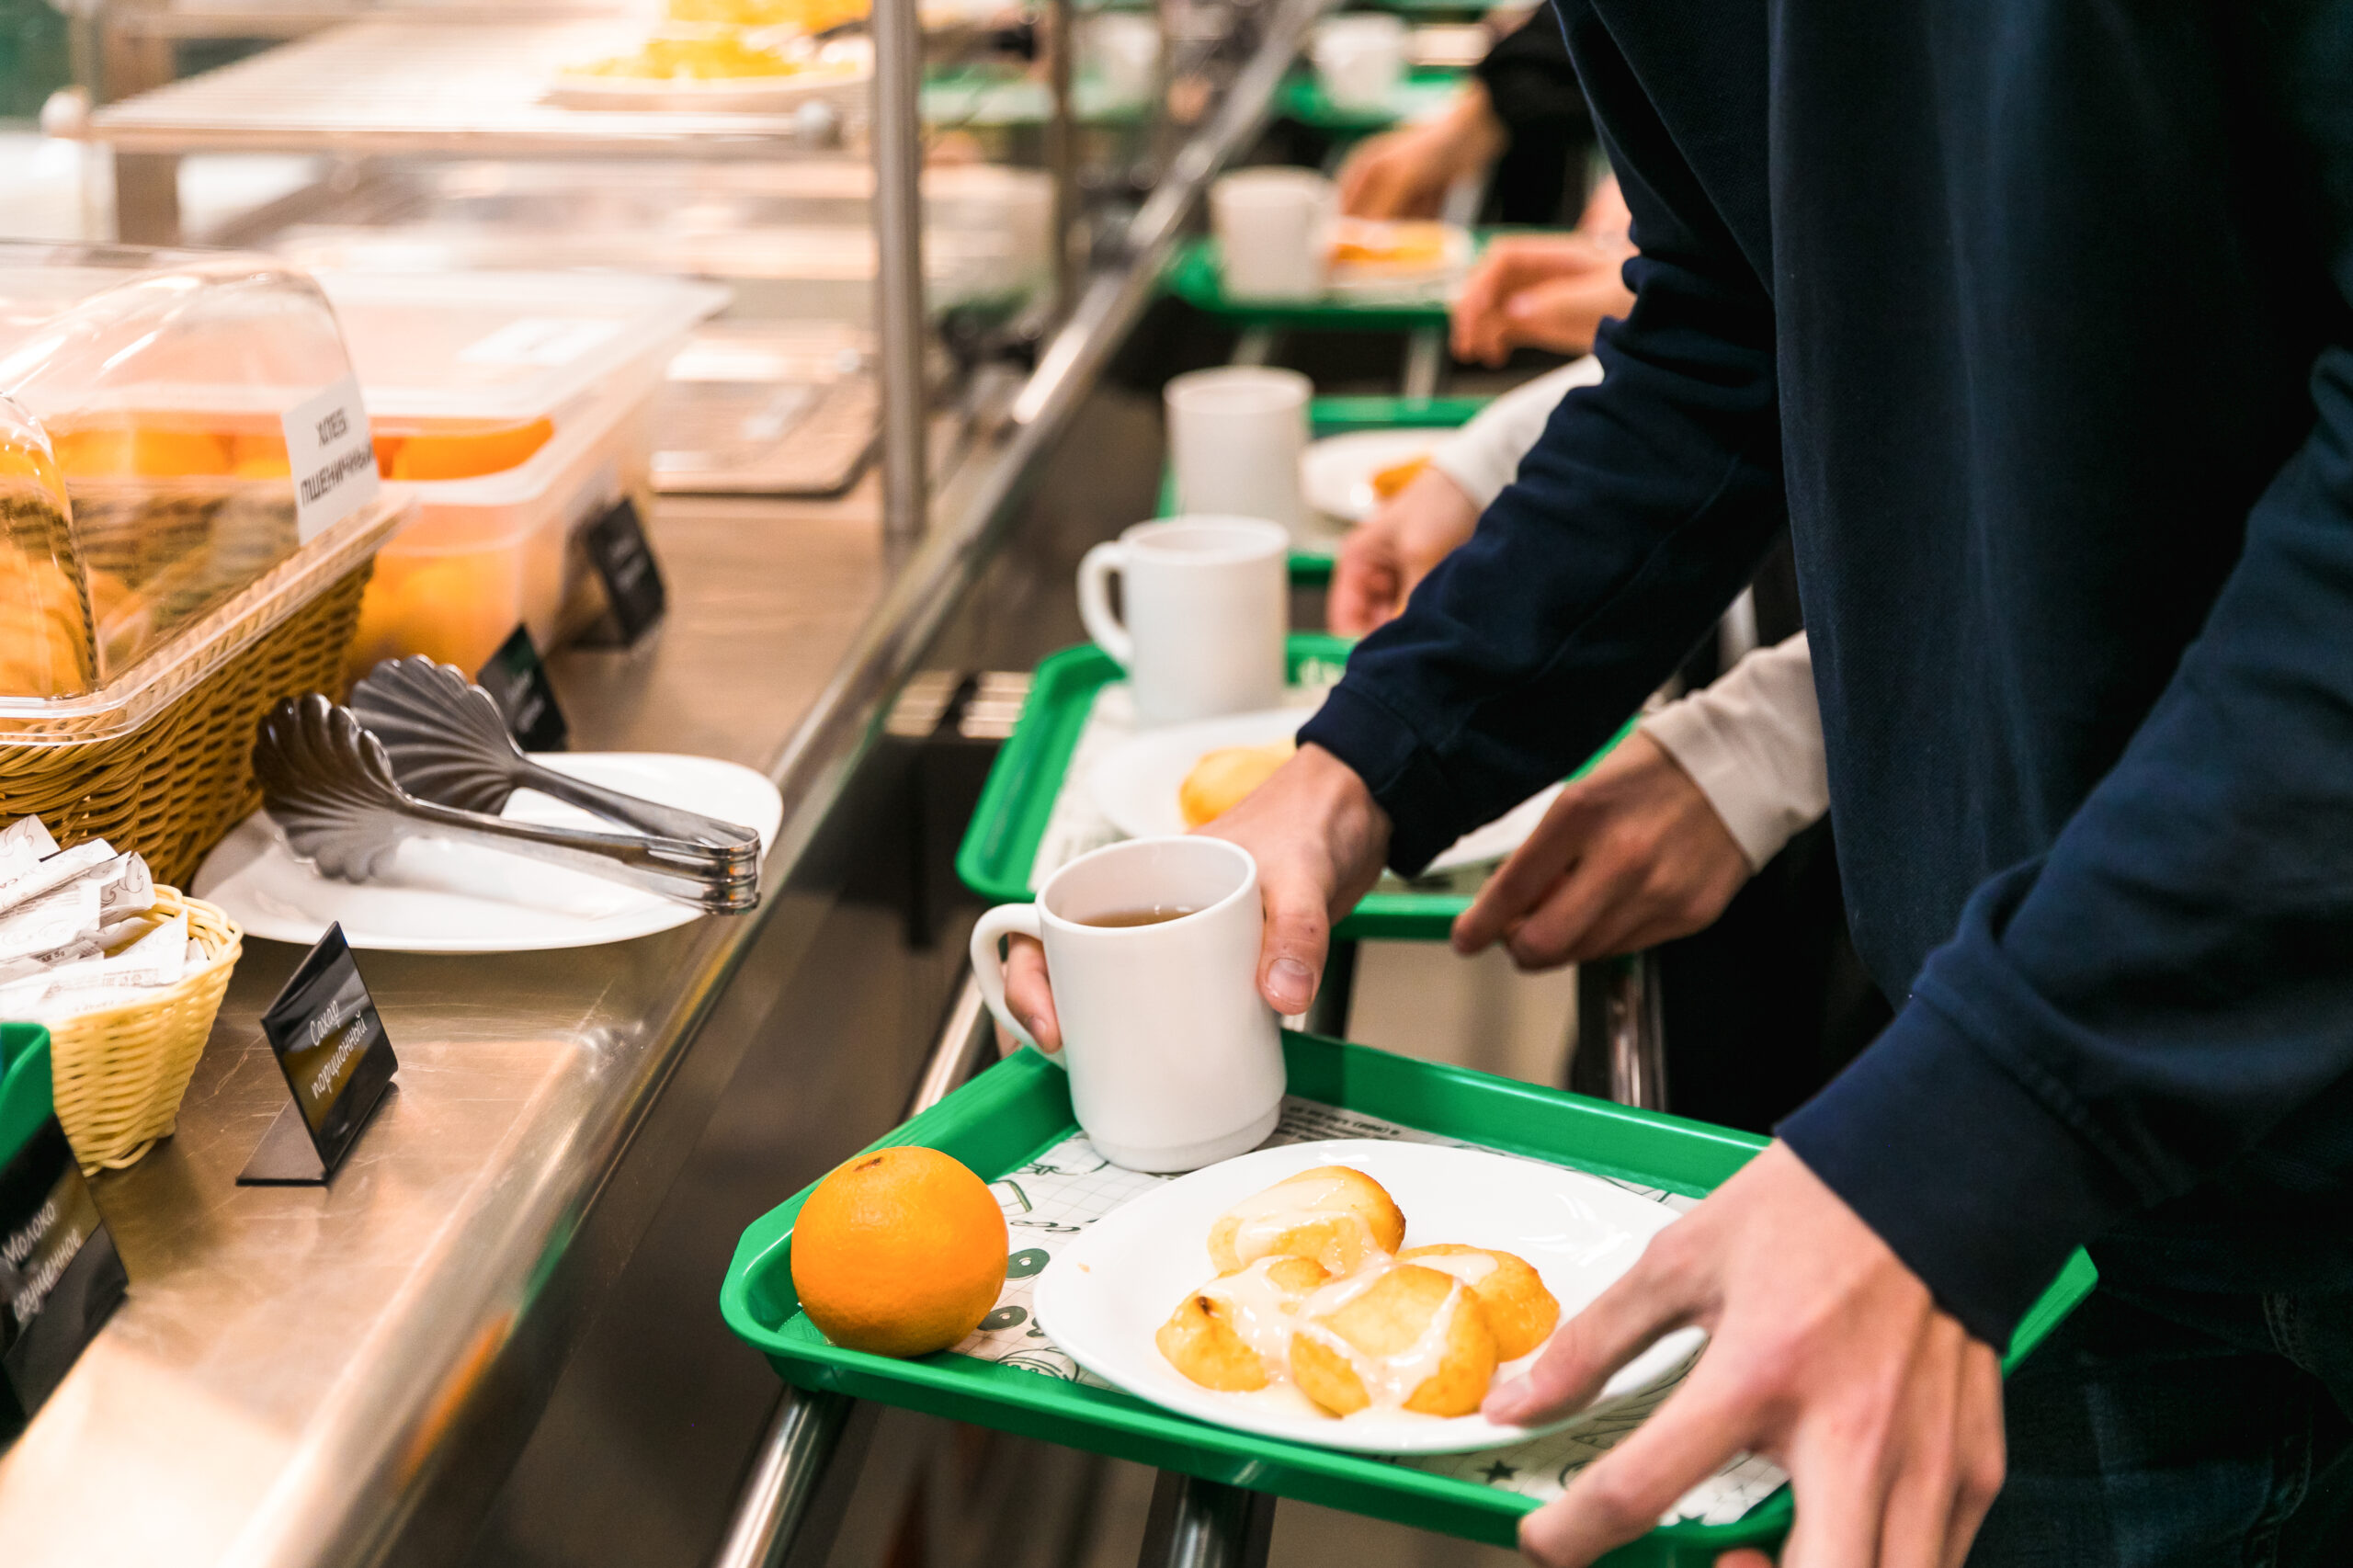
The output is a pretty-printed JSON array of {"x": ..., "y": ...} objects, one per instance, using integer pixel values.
[
  {"x": 635, "y": 595},
  {"x": 518, "y": 683},
  {"x": 330, "y": 1043}
]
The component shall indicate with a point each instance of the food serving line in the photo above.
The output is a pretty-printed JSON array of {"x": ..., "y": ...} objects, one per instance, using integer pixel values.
[{"x": 302, "y": 1377}]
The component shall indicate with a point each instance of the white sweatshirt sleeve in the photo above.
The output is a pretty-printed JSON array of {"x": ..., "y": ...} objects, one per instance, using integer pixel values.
[
  {"x": 1484, "y": 455},
  {"x": 1752, "y": 740}
]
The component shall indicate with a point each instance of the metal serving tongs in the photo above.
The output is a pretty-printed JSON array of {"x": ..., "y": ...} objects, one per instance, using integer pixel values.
[
  {"x": 331, "y": 788},
  {"x": 449, "y": 744}
]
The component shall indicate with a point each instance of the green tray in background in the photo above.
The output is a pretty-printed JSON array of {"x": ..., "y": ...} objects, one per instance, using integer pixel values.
[
  {"x": 1194, "y": 277},
  {"x": 1425, "y": 91},
  {"x": 1338, "y": 416},
  {"x": 25, "y": 1098},
  {"x": 1021, "y": 1108},
  {"x": 1001, "y": 841}
]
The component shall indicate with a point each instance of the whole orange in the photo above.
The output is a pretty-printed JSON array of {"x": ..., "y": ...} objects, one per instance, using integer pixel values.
[{"x": 900, "y": 1252}]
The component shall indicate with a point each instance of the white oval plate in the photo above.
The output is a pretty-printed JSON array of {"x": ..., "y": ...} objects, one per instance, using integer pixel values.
[
  {"x": 1374, "y": 282},
  {"x": 446, "y": 897},
  {"x": 1336, "y": 473},
  {"x": 707, "y": 95},
  {"x": 1105, "y": 1293},
  {"x": 1136, "y": 784}
]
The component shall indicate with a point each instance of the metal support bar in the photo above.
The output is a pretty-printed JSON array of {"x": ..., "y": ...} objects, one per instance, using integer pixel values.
[
  {"x": 1204, "y": 1524},
  {"x": 898, "y": 272},
  {"x": 964, "y": 1043},
  {"x": 1061, "y": 150},
  {"x": 1622, "y": 1037},
  {"x": 805, "y": 1429},
  {"x": 795, "y": 1452},
  {"x": 1255, "y": 345},
  {"x": 1424, "y": 360}
]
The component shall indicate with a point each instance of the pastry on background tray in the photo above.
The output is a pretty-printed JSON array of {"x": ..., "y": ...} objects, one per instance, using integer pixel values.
[{"x": 1220, "y": 780}]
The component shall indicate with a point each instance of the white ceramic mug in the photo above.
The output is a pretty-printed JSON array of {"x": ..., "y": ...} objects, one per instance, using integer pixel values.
[
  {"x": 1360, "y": 60},
  {"x": 1235, "y": 437},
  {"x": 1207, "y": 602},
  {"x": 1274, "y": 231},
  {"x": 1175, "y": 1061},
  {"x": 1121, "y": 49}
]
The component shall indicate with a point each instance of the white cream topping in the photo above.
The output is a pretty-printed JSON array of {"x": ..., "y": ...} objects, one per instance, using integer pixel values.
[
  {"x": 1263, "y": 1218},
  {"x": 1470, "y": 1267},
  {"x": 1260, "y": 1311},
  {"x": 1389, "y": 1380}
]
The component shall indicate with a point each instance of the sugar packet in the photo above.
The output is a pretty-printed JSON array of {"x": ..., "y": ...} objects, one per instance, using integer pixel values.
[{"x": 24, "y": 844}]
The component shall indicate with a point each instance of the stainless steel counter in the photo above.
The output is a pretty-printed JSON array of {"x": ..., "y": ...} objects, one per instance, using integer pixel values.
[
  {"x": 290, "y": 1361},
  {"x": 346, "y": 1376}
]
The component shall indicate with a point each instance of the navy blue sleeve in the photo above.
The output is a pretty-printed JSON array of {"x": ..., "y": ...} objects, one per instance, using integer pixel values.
[
  {"x": 1638, "y": 516},
  {"x": 2133, "y": 1013}
]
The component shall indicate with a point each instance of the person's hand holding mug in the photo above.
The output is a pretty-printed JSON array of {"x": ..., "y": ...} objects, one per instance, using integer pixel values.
[
  {"x": 1386, "y": 555},
  {"x": 1319, "y": 839}
]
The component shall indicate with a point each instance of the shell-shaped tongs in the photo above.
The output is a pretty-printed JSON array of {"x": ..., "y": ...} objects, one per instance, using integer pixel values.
[{"x": 331, "y": 788}]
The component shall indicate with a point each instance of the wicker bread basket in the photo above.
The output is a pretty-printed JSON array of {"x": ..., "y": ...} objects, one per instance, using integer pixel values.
[
  {"x": 172, "y": 787},
  {"x": 119, "y": 1073}
]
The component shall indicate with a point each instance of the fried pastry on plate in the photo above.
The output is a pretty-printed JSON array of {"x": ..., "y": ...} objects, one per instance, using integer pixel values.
[
  {"x": 1222, "y": 777},
  {"x": 1340, "y": 1217},
  {"x": 1520, "y": 1309},
  {"x": 1234, "y": 1333},
  {"x": 1399, "y": 1338}
]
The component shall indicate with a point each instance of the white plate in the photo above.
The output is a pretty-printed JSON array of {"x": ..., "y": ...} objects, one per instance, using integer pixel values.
[
  {"x": 444, "y": 897},
  {"x": 1336, "y": 473},
  {"x": 707, "y": 95},
  {"x": 1375, "y": 282},
  {"x": 1136, "y": 784},
  {"x": 1108, "y": 1291}
]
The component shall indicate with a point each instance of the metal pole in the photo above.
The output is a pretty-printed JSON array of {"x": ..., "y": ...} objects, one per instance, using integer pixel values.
[
  {"x": 1622, "y": 1034},
  {"x": 1062, "y": 150},
  {"x": 1205, "y": 1524},
  {"x": 794, "y": 1452},
  {"x": 898, "y": 273}
]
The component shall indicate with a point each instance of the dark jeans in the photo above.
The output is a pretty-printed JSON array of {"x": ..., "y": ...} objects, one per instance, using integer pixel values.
[{"x": 2163, "y": 1429}]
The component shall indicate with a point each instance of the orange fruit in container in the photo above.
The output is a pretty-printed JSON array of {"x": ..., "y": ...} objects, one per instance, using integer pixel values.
[
  {"x": 458, "y": 451},
  {"x": 149, "y": 451},
  {"x": 900, "y": 1252},
  {"x": 259, "y": 456}
]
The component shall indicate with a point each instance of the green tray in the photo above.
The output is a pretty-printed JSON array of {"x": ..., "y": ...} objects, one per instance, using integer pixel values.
[
  {"x": 1426, "y": 89},
  {"x": 25, "y": 1098},
  {"x": 1001, "y": 841},
  {"x": 1021, "y": 1108},
  {"x": 1194, "y": 277},
  {"x": 1337, "y": 417}
]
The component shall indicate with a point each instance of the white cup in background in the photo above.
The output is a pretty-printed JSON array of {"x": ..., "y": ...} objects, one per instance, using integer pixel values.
[
  {"x": 1175, "y": 1061},
  {"x": 1360, "y": 60},
  {"x": 1121, "y": 49},
  {"x": 1207, "y": 602},
  {"x": 1274, "y": 231},
  {"x": 1235, "y": 437}
]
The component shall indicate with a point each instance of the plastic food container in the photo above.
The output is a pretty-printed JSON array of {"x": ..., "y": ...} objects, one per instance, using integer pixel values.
[
  {"x": 513, "y": 409},
  {"x": 188, "y": 507}
]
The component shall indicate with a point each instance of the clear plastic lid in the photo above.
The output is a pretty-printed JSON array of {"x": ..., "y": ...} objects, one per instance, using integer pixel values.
[
  {"x": 150, "y": 401},
  {"x": 512, "y": 346}
]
